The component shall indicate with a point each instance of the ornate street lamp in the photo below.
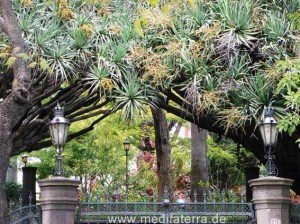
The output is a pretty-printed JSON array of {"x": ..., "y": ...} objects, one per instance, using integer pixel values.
[
  {"x": 126, "y": 145},
  {"x": 24, "y": 159},
  {"x": 269, "y": 135},
  {"x": 59, "y": 127}
]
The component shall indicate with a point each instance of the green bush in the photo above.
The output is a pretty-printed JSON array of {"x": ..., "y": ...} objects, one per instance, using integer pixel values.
[{"x": 13, "y": 191}]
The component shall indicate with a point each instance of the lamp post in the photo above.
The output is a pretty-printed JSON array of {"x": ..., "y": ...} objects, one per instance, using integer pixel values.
[
  {"x": 126, "y": 145},
  {"x": 59, "y": 127},
  {"x": 269, "y": 135},
  {"x": 25, "y": 159}
]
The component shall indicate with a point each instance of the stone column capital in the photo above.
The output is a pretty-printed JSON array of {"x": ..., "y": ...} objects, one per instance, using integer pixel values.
[
  {"x": 271, "y": 199},
  {"x": 59, "y": 181},
  {"x": 271, "y": 181}
]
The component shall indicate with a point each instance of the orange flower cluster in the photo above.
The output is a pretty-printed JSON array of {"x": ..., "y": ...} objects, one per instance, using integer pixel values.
[
  {"x": 155, "y": 69},
  {"x": 26, "y": 3},
  {"x": 107, "y": 84},
  {"x": 64, "y": 12},
  {"x": 116, "y": 30},
  {"x": 87, "y": 29}
]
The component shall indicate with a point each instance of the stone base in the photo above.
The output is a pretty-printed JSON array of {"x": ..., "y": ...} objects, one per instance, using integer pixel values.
[
  {"x": 58, "y": 200},
  {"x": 271, "y": 199}
]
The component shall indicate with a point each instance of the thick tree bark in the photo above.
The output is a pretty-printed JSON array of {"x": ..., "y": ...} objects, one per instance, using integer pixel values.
[
  {"x": 199, "y": 169},
  {"x": 10, "y": 112},
  {"x": 163, "y": 152},
  {"x": 14, "y": 106},
  {"x": 5, "y": 149}
]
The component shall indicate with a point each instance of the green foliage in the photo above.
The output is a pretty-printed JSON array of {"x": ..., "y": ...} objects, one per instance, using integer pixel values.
[
  {"x": 145, "y": 177},
  {"x": 277, "y": 26},
  {"x": 216, "y": 49},
  {"x": 226, "y": 162},
  {"x": 125, "y": 52},
  {"x": 295, "y": 20},
  {"x": 132, "y": 97},
  {"x": 46, "y": 162},
  {"x": 239, "y": 26},
  {"x": 12, "y": 191},
  {"x": 98, "y": 73},
  {"x": 199, "y": 13},
  {"x": 289, "y": 87},
  {"x": 201, "y": 183},
  {"x": 181, "y": 157},
  {"x": 97, "y": 158}
]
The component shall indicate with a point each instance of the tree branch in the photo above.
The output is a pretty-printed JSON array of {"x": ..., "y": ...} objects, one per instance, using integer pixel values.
[
  {"x": 47, "y": 92},
  {"x": 88, "y": 115},
  {"x": 87, "y": 110},
  {"x": 33, "y": 145}
]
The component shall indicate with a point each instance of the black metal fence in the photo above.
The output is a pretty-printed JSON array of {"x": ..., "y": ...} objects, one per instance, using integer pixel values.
[
  {"x": 25, "y": 214},
  {"x": 295, "y": 214},
  {"x": 142, "y": 208}
]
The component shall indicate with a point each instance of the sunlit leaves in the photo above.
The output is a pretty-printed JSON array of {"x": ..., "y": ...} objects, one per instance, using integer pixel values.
[
  {"x": 10, "y": 61},
  {"x": 138, "y": 28},
  {"x": 289, "y": 123},
  {"x": 289, "y": 87},
  {"x": 43, "y": 64},
  {"x": 153, "y": 2}
]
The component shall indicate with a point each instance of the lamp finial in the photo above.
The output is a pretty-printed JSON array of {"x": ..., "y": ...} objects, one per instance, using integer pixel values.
[{"x": 58, "y": 111}]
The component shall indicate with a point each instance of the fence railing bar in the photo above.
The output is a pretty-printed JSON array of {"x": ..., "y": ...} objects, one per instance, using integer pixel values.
[{"x": 147, "y": 205}]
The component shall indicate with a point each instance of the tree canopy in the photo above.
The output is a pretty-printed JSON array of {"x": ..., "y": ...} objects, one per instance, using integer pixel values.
[{"x": 220, "y": 60}]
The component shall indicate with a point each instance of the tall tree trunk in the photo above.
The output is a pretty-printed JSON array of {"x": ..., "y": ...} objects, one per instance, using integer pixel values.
[
  {"x": 16, "y": 104},
  {"x": 10, "y": 112},
  {"x": 5, "y": 150},
  {"x": 199, "y": 168},
  {"x": 163, "y": 152}
]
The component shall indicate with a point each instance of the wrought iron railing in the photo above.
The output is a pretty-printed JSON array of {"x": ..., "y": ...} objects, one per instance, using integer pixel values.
[
  {"x": 28, "y": 214},
  {"x": 215, "y": 208},
  {"x": 295, "y": 214}
]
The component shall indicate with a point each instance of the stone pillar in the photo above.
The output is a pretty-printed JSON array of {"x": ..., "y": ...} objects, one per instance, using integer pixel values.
[
  {"x": 58, "y": 200},
  {"x": 250, "y": 173},
  {"x": 29, "y": 182},
  {"x": 271, "y": 199}
]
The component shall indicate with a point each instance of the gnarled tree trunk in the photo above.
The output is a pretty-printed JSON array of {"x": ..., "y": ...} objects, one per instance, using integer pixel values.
[
  {"x": 163, "y": 152},
  {"x": 14, "y": 106},
  {"x": 10, "y": 112},
  {"x": 5, "y": 149}
]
